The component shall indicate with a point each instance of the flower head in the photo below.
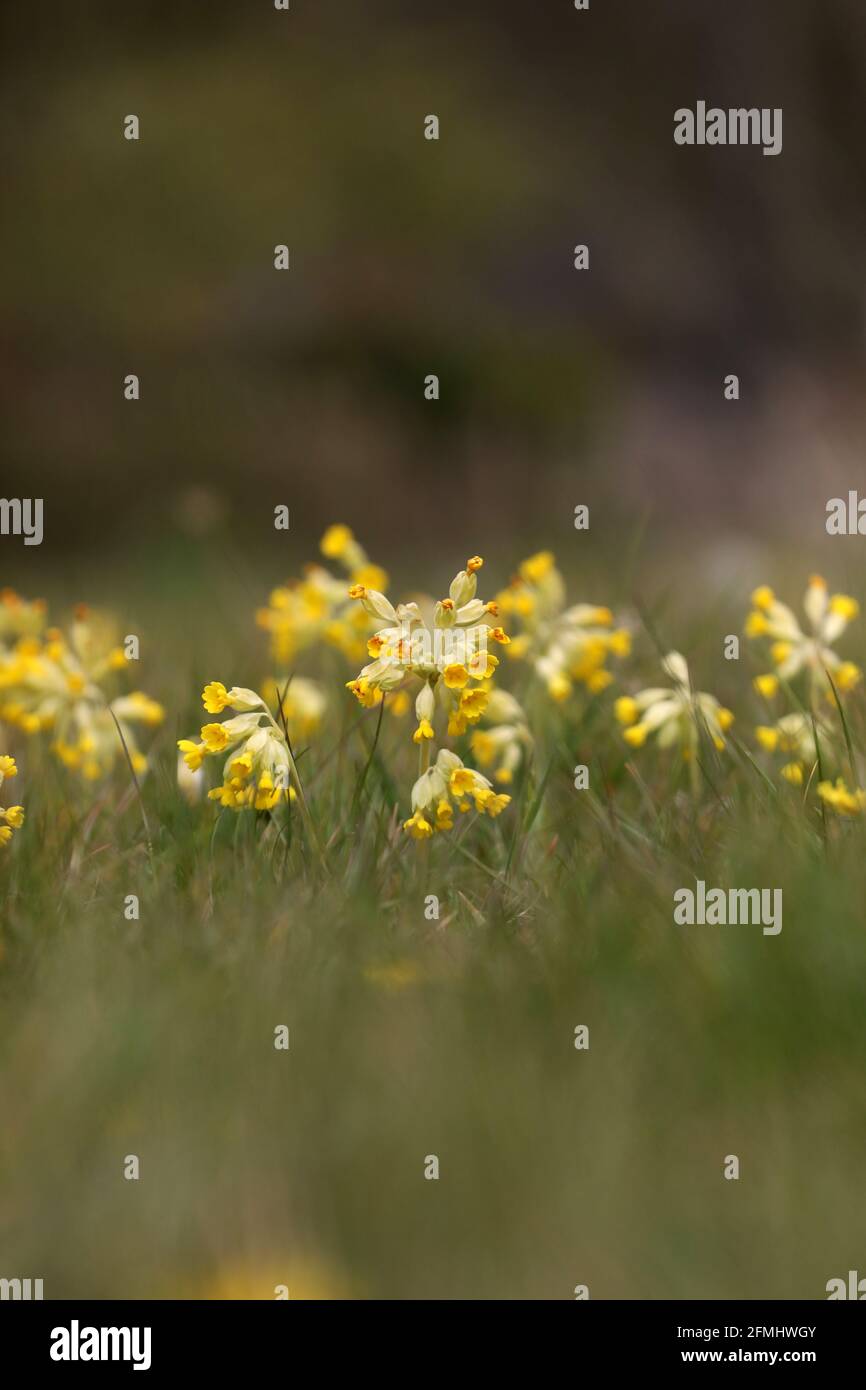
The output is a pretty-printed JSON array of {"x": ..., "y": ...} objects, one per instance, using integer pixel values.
[
  {"x": 567, "y": 646},
  {"x": 63, "y": 682},
  {"x": 793, "y": 649},
  {"x": 316, "y": 608},
  {"x": 673, "y": 715},
  {"x": 258, "y": 768},
  {"x": 446, "y": 784}
]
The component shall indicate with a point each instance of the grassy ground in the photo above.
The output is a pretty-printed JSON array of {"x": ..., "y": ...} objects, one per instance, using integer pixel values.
[{"x": 411, "y": 1037}]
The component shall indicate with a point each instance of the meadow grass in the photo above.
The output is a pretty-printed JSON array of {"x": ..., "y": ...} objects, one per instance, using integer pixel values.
[{"x": 412, "y": 1037}]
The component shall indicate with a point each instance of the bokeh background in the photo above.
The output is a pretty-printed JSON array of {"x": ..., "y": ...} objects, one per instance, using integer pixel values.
[
  {"x": 306, "y": 388},
  {"x": 409, "y": 257}
]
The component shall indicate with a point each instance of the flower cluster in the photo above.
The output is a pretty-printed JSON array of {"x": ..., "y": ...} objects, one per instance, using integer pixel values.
[
  {"x": 792, "y": 650},
  {"x": 567, "y": 646},
  {"x": 258, "y": 768},
  {"x": 446, "y": 784},
  {"x": 62, "y": 683},
  {"x": 316, "y": 608},
  {"x": 11, "y": 817},
  {"x": 675, "y": 715},
  {"x": 445, "y": 651}
]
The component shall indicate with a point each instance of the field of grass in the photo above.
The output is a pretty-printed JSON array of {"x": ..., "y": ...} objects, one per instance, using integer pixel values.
[{"x": 412, "y": 1037}]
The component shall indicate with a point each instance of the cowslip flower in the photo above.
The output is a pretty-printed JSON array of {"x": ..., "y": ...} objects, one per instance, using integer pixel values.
[
  {"x": 446, "y": 784},
  {"x": 301, "y": 704},
  {"x": 11, "y": 817},
  {"x": 316, "y": 608},
  {"x": 258, "y": 768},
  {"x": 792, "y": 650},
  {"x": 794, "y": 737},
  {"x": 837, "y": 796},
  {"x": 504, "y": 738},
  {"x": 62, "y": 683},
  {"x": 445, "y": 651},
  {"x": 567, "y": 646},
  {"x": 19, "y": 618},
  {"x": 674, "y": 714}
]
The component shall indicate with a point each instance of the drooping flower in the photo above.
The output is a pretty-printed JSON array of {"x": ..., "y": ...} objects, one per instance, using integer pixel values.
[
  {"x": 675, "y": 715},
  {"x": 258, "y": 771},
  {"x": 446, "y": 784},
  {"x": 567, "y": 646},
  {"x": 792, "y": 650},
  {"x": 316, "y": 608}
]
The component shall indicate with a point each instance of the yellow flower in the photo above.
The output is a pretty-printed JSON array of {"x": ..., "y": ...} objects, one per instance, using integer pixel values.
[
  {"x": 424, "y": 730},
  {"x": 473, "y": 704},
  {"x": 763, "y": 597},
  {"x": 537, "y": 567},
  {"x": 335, "y": 541},
  {"x": 418, "y": 827},
  {"x": 214, "y": 737},
  {"x": 215, "y": 697},
  {"x": 8, "y": 767},
  {"x": 14, "y": 816},
  {"x": 838, "y": 796},
  {"x": 193, "y": 753},
  {"x": 767, "y": 737},
  {"x": 793, "y": 773},
  {"x": 636, "y": 735},
  {"x": 626, "y": 709},
  {"x": 455, "y": 676},
  {"x": 766, "y": 685}
]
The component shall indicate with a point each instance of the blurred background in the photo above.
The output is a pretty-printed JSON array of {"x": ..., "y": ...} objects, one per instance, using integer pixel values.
[{"x": 411, "y": 257}]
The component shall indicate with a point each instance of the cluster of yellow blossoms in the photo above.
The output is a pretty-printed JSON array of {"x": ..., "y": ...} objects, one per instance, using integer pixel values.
[
  {"x": 12, "y": 817},
  {"x": 440, "y": 787},
  {"x": 443, "y": 649},
  {"x": 673, "y": 714},
  {"x": 804, "y": 736},
  {"x": 316, "y": 608},
  {"x": 439, "y": 654},
  {"x": 258, "y": 771},
  {"x": 567, "y": 646},
  {"x": 792, "y": 650},
  {"x": 61, "y": 683}
]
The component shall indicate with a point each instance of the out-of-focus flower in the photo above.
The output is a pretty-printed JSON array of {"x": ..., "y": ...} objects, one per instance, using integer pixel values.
[
  {"x": 317, "y": 608},
  {"x": 793, "y": 736},
  {"x": 792, "y": 650},
  {"x": 504, "y": 739},
  {"x": 19, "y": 618},
  {"x": 567, "y": 646},
  {"x": 302, "y": 704},
  {"x": 11, "y": 817},
  {"x": 837, "y": 796},
  {"x": 63, "y": 684},
  {"x": 675, "y": 715},
  {"x": 272, "y": 1277}
]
